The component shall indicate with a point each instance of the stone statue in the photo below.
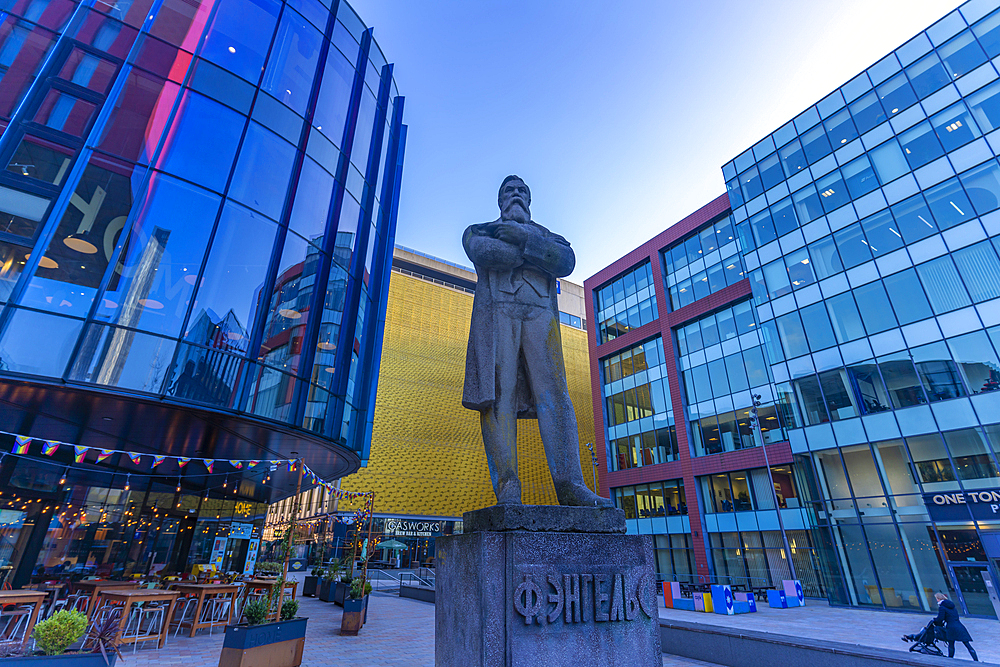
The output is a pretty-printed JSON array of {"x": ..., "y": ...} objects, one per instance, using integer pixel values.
[{"x": 514, "y": 366}]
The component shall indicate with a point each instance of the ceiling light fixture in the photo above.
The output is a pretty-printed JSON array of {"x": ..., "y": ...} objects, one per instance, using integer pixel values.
[{"x": 80, "y": 244}]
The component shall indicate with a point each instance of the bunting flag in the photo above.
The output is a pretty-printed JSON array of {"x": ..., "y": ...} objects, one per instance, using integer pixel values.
[
  {"x": 80, "y": 453},
  {"x": 253, "y": 464},
  {"x": 236, "y": 464},
  {"x": 291, "y": 465},
  {"x": 105, "y": 455},
  {"x": 208, "y": 464},
  {"x": 182, "y": 461},
  {"x": 50, "y": 448},
  {"x": 21, "y": 444},
  {"x": 136, "y": 458},
  {"x": 157, "y": 460}
]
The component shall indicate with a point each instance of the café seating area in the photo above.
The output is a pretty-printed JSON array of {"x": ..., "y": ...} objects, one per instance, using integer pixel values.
[{"x": 149, "y": 610}]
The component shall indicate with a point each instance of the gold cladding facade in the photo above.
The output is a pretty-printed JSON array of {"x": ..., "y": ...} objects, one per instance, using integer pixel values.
[{"x": 427, "y": 457}]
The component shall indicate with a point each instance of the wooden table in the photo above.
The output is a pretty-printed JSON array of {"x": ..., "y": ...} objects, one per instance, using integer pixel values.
[
  {"x": 203, "y": 591},
  {"x": 133, "y": 596},
  {"x": 96, "y": 587},
  {"x": 36, "y": 598}
]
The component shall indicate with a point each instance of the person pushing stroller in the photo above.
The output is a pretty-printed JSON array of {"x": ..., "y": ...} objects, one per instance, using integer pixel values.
[{"x": 954, "y": 631}]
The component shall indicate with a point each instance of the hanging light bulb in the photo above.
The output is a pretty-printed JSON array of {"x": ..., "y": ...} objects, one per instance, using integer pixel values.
[
  {"x": 128, "y": 480},
  {"x": 62, "y": 480}
]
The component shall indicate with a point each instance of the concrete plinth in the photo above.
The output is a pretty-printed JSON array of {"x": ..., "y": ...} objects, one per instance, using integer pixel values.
[{"x": 507, "y": 597}]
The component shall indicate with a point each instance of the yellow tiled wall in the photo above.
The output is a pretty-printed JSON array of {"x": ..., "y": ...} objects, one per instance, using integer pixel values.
[{"x": 427, "y": 455}]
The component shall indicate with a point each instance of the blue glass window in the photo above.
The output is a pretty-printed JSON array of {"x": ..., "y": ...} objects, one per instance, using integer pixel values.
[
  {"x": 800, "y": 271},
  {"x": 792, "y": 158},
  {"x": 985, "y": 105},
  {"x": 718, "y": 378},
  {"x": 228, "y": 290},
  {"x": 734, "y": 269},
  {"x": 832, "y": 191},
  {"x": 867, "y": 112},
  {"x": 121, "y": 358},
  {"x": 944, "y": 288},
  {"x": 845, "y": 318},
  {"x": 949, "y": 204},
  {"x": 263, "y": 170},
  {"x": 240, "y": 35},
  {"x": 860, "y": 177},
  {"x": 202, "y": 141},
  {"x": 914, "y": 219},
  {"x": 807, "y": 204},
  {"x": 763, "y": 228},
  {"x": 25, "y": 351},
  {"x": 980, "y": 270},
  {"x": 825, "y": 258},
  {"x": 896, "y": 94},
  {"x": 770, "y": 171},
  {"x": 793, "y": 337},
  {"x": 756, "y": 368},
  {"x": 292, "y": 63},
  {"x": 783, "y": 215},
  {"x": 130, "y": 132},
  {"x": 737, "y": 373},
  {"x": 927, "y": 75},
  {"x": 954, "y": 126},
  {"x": 840, "y": 128},
  {"x": 751, "y": 184},
  {"x": 776, "y": 276},
  {"x": 907, "y": 296},
  {"x": 163, "y": 251},
  {"x": 982, "y": 185},
  {"x": 815, "y": 144},
  {"x": 312, "y": 201},
  {"x": 889, "y": 161},
  {"x": 962, "y": 54},
  {"x": 988, "y": 33},
  {"x": 735, "y": 193},
  {"x": 852, "y": 245},
  {"x": 920, "y": 145},
  {"x": 817, "y": 327},
  {"x": 880, "y": 230},
  {"x": 874, "y": 306}
]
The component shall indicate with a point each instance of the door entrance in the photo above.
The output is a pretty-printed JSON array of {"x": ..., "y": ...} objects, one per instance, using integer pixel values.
[{"x": 972, "y": 589}]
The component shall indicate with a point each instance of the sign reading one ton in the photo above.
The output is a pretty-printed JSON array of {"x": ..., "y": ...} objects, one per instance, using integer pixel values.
[{"x": 582, "y": 598}]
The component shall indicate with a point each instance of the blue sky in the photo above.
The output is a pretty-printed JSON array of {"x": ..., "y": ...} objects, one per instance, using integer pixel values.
[{"x": 618, "y": 116}]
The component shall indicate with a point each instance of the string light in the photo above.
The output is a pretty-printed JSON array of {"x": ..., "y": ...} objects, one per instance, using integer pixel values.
[
  {"x": 62, "y": 480},
  {"x": 128, "y": 480}
]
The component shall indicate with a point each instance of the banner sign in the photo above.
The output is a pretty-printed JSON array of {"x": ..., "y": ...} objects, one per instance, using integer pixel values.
[
  {"x": 981, "y": 505},
  {"x": 218, "y": 552},
  {"x": 251, "y": 562}
]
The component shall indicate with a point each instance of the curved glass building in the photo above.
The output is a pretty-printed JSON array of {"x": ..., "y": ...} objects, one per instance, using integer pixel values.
[{"x": 197, "y": 215}]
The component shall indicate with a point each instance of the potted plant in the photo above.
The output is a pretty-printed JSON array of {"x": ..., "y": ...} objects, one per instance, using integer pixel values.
[
  {"x": 342, "y": 589},
  {"x": 52, "y": 637},
  {"x": 276, "y": 644},
  {"x": 328, "y": 585},
  {"x": 355, "y": 608},
  {"x": 311, "y": 584}
]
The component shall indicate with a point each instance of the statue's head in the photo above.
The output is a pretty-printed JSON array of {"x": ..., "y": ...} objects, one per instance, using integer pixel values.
[{"x": 514, "y": 200}]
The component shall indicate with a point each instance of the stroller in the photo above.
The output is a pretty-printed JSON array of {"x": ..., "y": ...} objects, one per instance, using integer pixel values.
[{"x": 926, "y": 640}]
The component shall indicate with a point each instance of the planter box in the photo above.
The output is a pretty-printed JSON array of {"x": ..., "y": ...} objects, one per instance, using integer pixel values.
[
  {"x": 277, "y": 644},
  {"x": 340, "y": 593},
  {"x": 309, "y": 586},
  {"x": 65, "y": 660},
  {"x": 326, "y": 590},
  {"x": 355, "y": 615}
]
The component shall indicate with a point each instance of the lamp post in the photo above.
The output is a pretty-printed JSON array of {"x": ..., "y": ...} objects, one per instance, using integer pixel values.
[
  {"x": 755, "y": 425},
  {"x": 593, "y": 460}
]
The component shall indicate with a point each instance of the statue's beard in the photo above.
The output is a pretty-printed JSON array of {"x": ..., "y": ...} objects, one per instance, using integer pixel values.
[{"x": 516, "y": 210}]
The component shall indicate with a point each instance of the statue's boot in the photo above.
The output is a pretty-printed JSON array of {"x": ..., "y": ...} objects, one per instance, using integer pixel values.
[
  {"x": 509, "y": 492},
  {"x": 577, "y": 494}
]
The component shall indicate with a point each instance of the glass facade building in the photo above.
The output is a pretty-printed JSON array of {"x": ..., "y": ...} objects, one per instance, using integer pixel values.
[
  {"x": 197, "y": 216},
  {"x": 867, "y": 229}
]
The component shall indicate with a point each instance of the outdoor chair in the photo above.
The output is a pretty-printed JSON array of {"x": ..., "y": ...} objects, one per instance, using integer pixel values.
[
  {"x": 184, "y": 612},
  {"x": 144, "y": 624}
]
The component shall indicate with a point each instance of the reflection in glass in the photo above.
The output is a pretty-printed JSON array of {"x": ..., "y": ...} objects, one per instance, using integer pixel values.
[
  {"x": 901, "y": 380},
  {"x": 150, "y": 286},
  {"x": 77, "y": 258},
  {"x": 228, "y": 294},
  {"x": 914, "y": 219},
  {"x": 977, "y": 361},
  {"x": 937, "y": 371},
  {"x": 839, "y": 400},
  {"x": 868, "y": 384},
  {"x": 931, "y": 461},
  {"x": 23, "y": 350},
  {"x": 202, "y": 141},
  {"x": 41, "y": 159},
  {"x": 907, "y": 296},
  {"x": 123, "y": 358},
  {"x": 138, "y": 118},
  {"x": 971, "y": 457},
  {"x": 943, "y": 286},
  {"x": 263, "y": 170},
  {"x": 240, "y": 34},
  {"x": 20, "y": 212},
  {"x": 292, "y": 63},
  {"x": 207, "y": 376}
]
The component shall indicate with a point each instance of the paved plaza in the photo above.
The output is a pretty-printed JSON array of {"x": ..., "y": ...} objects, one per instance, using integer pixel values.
[
  {"x": 818, "y": 620},
  {"x": 399, "y": 632}
]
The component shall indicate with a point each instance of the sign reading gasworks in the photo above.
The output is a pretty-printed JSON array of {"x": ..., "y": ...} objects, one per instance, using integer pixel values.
[{"x": 958, "y": 505}]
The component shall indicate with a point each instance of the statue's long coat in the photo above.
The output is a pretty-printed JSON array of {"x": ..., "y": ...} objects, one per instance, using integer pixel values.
[{"x": 499, "y": 268}]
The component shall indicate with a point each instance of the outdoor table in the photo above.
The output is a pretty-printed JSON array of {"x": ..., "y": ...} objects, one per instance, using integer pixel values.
[
  {"x": 36, "y": 598},
  {"x": 203, "y": 591},
  {"x": 96, "y": 586},
  {"x": 133, "y": 596}
]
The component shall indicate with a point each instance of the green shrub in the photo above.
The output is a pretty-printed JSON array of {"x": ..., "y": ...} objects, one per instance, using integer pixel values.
[
  {"x": 256, "y": 611},
  {"x": 356, "y": 589},
  {"x": 289, "y": 609},
  {"x": 56, "y": 633}
]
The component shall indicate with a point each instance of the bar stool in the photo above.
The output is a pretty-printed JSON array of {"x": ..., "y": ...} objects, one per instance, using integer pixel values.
[
  {"x": 216, "y": 609},
  {"x": 144, "y": 625},
  {"x": 19, "y": 618},
  {"x": 185, "y": 607}
]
